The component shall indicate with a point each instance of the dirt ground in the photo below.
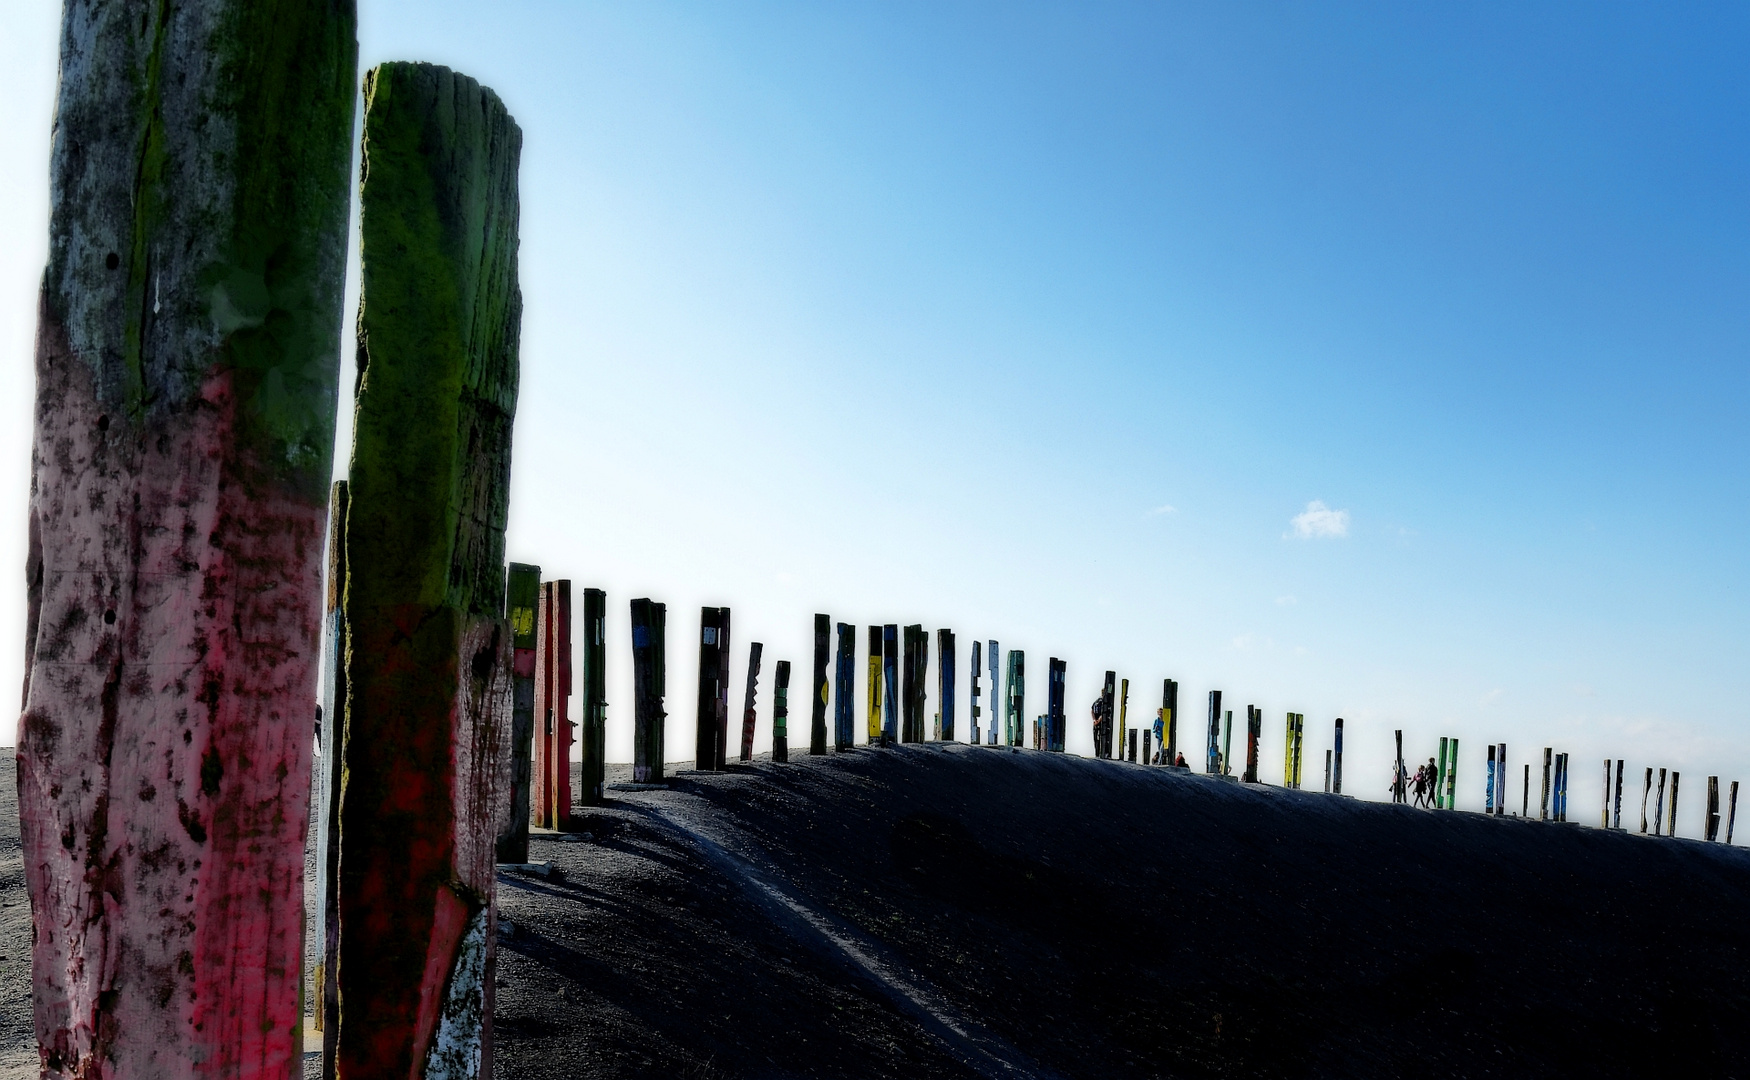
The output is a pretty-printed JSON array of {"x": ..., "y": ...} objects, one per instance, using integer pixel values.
[{"x": 952, "y": 911}]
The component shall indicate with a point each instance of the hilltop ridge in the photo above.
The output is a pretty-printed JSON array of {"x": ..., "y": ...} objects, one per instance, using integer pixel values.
[{"x": 944, "y": 910}]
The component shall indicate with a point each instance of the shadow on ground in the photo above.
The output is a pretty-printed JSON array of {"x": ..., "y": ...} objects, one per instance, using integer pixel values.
[{"x": 949, "y": 911}]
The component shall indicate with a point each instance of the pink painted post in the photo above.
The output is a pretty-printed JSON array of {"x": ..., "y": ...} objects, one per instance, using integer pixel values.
[
  {"x": 553, "y": 707},
  {"x": 186, "y": 360}
]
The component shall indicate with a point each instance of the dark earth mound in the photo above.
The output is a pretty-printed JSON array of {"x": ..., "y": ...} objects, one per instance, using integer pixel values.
[{"x": 958, "y": 911}]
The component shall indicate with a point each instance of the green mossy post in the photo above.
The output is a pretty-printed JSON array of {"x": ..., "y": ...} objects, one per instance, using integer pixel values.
[
  {"x": 522, "y": 600},
  {"x": 187, "y": 355},
  {"x": 429, "y": 675}
]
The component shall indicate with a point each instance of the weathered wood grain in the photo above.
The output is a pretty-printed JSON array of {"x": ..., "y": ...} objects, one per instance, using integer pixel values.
[
  {"x": 429, "y": 675},
  {"x": 186, "y": 366}
]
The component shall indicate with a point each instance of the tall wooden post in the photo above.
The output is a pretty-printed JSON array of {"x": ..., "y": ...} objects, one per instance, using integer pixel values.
[
  {"x": 747, "y": 708},
  {"x": 720, "y": 707},
  {"x": 1440, "y": 777},
  {"x": 977, "y": 710},
  {"x": 1212, "y": 752},
  {"x": 1605, "y": 820},
  {"x": 1525, "y": 794},
  {"x": 1327, "y": 772},
  {"x": 593, "y": 735},
  {"x": 1452, "y": 776},
  {"x": 845, "y": 689},
  {"x": 991, "y": 658},
  {"x": 1659, "y": 807},
  {"x": 1054, "y": 690},
  {"x": 817, "y": 707},
  {"x": 781, "y": 712},
  {"x": 1124, "y": 712},
  {"x": 328, "y": 784},
  {"x": 1148, "y": 746},
  {"x": 522, "y": 602},
  {"x": 1254, "y": 728},
  {"x": 1618, "y": 814},
  {"x": 186, "y": 357},
  {"x": 1713, "y": 809},
  {"x": 945, "y": 682},
  {"x": 1227, "y": 742},
  {"x": 429, "y": 683},
  {"x": 1015, "y": 698},
  {"x": 1731, "y": 811},
  {"x": 1671, "y": 828},
  {"x": 1103, "y": 718},
  {"x": 872, "y": 721},
  {"x": 1501, "y": 779},
  {"x": 1397, "y": 784},
  {"x": 553, "y": 706},
  {"x": 1646, "y": 790},
  {"x": 1543, "y": 806},
  {"x": 890, "y": 657},
  {"x": 917, "y": 663},
  {"x": 713, "y": 645},
  {"x": 1489, "y": 795},
  {"x": 1337, "y": 776},
  {"x": 649, "y": 687},
  {"x": 1169, "y": 716}
]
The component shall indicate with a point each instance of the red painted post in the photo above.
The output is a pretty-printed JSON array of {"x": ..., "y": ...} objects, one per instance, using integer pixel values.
[
  {"x": 553, "y": 701},
  {"x": 186, "y": 359},
  {"x": 429, "y": 652}
]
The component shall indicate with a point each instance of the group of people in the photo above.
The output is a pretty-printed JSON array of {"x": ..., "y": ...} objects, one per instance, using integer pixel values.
[{"x": 1424, "y": 786}]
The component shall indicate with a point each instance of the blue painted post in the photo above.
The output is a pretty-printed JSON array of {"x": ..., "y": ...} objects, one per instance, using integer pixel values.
[
  {"x": 1489, "y": 795},
  {"x": 890, "y": 657},
  {"x": 1337, "y": 775}
]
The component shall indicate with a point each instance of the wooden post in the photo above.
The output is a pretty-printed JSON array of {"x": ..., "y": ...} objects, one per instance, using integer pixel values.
[
  {"x": 917, "y": 663},
  {"x": 1397, "y": 784},
  {"x": 1103, "y": 717},
  {"x": 1452, "y": 775},
  {"x": 1671, "y": 828},
  {"x": 429, "y": 682},
  {"x": 1525, "y": 794},
  {"x": 186, "y": 357},
  {"x": 1132, "y": 755},
  {"x": 1169, "y": 717},
  {"x": 1299, "y": 746},
  {"x": 649, "y": 687},
  {"x": 1489, "y": 794},
  {"x": 522, "y": 602},
  {"x": 1148, "y": 746},
  {"x": 1059, "y": 672},
  {"x": 553, "y": 703},
  {"x": 1618, "y": 815},
  {"x": 1287, "y": 752},
  {"x": 1604, "y": 823},
  {"x": 844, "y": 689},
  {"x": 945, "y": 682},
  {"x": 1501, "y": 780},
  {"x": 593, "y": 736},
  {"x": 1015, "y": 727},
  {"x": 781, "y": 712},
  {"x": 977, "y": 710},
  {"x": 1646, "y": 790},
  {"x": 720, "y": 707},
  {"x": 1440, "y": 776},
  {"x": 876, "y": 681},
  {"x": 1124, "y": 713},
  {"x": 1327, "y": 772},
  {"x": 713, "y": 644},
  {"x": 1337, "y": 777},
  {"x": 747, "y": 707},
  {"x": 1713, "y": 809},
  {"x": 1212, "y": 751},
  {"x": 1015, "y": 698},
  {"x": 1227, "y": 743},
  {"x": 1659, "y": 807},
  {"x": 891, "y": 703},
  {"x": 1254, "y": 728},
  {"x": 1543, "y": 806},
  {"x": 329, "y": 776},
  {"x": 1731, "y": 812},
  {"x": 817, "y": 707}
]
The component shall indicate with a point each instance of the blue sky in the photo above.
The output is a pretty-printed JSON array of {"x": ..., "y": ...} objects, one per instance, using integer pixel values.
[{"x": 929, "y": 312}]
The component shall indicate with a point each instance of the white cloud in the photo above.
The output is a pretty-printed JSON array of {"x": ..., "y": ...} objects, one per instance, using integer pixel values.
[
  {"x": 1286, "y": 601},
  {"x": 1166, "y": 508},
  {"x": 1320, "y": 521}
]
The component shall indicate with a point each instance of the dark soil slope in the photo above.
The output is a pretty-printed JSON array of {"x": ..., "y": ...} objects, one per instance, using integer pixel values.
[{"x": 940, "y": 911}]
